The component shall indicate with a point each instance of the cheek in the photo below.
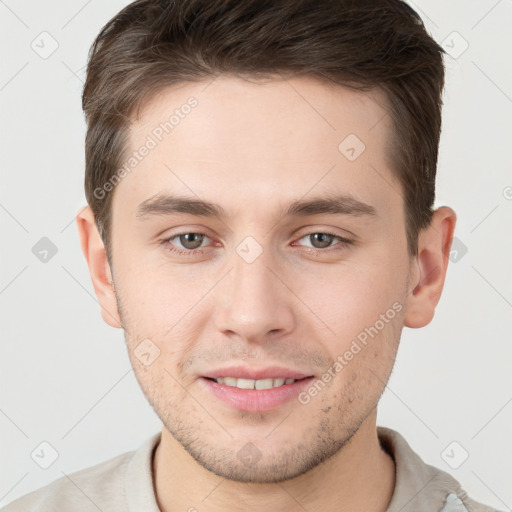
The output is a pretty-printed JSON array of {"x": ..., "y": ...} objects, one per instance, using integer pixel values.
[
  {"x": 157, "y": 299},
  {"x": 167, "y": 301},
  {"x": 160, "y": 383},
  {"x": 352, "y": 298}
]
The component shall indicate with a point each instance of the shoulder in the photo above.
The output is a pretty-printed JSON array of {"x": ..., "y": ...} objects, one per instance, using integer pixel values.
[
  {"x": 420, "y": 487},
  {"x": 99, "y": 487}
]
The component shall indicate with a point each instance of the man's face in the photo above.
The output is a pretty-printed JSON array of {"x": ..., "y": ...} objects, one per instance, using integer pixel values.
[{"x": 262, "y": 287}]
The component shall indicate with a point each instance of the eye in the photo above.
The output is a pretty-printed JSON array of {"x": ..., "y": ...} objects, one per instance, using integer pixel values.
[
  {"x": 185, "y": 243},
  {"x": 323, "y": 240},
  {"x": 190, "y": 243}
]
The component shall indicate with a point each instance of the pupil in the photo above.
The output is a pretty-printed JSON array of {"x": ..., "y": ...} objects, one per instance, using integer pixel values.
[
  {"x": 323, "y": 238},
  {"x": 187, "y": 240},
  {"x": 194, "y": 240}
]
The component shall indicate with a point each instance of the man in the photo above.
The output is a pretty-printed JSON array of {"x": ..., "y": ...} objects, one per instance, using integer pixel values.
[{"x": 260, "y": 179}]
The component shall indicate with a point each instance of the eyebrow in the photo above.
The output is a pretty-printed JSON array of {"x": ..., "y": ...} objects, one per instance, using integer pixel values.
[{"x": 346, "y": 204}]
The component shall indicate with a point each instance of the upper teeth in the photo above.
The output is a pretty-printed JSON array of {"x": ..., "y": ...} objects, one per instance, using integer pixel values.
[{"x": 253, "y": 384}]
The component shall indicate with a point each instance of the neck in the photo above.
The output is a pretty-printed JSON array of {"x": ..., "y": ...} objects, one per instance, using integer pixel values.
[{"x": 361, "y": 476}]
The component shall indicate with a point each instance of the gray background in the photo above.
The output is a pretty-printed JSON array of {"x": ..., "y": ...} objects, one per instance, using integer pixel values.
[{"x": 65, "y": 375}]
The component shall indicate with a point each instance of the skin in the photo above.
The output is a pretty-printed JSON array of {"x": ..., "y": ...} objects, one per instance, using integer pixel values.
[{"x": 253, "y": 148}]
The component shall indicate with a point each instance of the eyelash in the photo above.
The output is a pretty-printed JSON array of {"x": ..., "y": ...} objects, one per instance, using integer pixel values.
[{"x": 342, "y": 244}]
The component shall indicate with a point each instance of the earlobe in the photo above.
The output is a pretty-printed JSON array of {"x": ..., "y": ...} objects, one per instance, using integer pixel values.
[
  {"x": 430, "y": 268},
  {"x": 99, "y": 268}
]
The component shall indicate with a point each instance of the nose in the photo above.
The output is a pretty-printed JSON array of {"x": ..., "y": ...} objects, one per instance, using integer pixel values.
[{"x": 255, "y": 300}]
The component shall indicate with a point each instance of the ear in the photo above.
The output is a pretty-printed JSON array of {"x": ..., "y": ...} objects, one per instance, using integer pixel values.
[
  {"x": 99, "y": 268},
  {"x": 428, "y": 270}
]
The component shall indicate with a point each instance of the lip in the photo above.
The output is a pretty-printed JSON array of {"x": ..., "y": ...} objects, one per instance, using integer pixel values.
[
  {"x": 269, "y": 372},
  {"x": 255, "y": 400}
]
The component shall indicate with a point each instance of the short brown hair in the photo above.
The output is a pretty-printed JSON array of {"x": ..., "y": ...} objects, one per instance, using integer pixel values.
[{"x": 361, "y": 44}]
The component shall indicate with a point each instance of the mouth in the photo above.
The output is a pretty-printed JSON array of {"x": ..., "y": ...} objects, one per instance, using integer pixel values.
[
  {"x": 254, "y": 384},
  {"x": 254, "y": 395}
]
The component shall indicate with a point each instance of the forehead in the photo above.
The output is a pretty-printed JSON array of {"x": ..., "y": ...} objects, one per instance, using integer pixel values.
[
  {"x": 230, "y": 139},
  {"x": 229, "y": 109}
]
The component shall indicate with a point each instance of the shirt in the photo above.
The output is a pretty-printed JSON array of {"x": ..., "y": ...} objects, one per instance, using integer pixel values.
[{"x": 125, "y": 484}]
